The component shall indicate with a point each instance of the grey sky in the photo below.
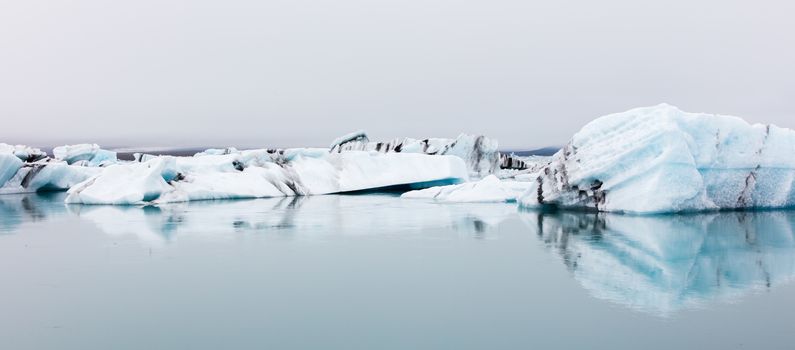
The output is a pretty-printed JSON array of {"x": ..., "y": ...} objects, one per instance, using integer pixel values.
[{"x": 292, "y": 73}]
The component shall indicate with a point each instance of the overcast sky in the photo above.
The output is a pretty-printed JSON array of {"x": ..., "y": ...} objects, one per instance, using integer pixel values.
[{"x": 295, "y": 72}]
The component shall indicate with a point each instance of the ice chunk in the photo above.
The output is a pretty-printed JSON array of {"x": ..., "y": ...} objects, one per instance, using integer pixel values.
[
  {"x": 24, "y": 153},
  {"x": 261, "y": 173},
  {"x": 84, "y": 154},
  {"x": 130, "y": 183},
  {"x": 215, "y": 152},
  {"x": 9, "y": 165},
  {"x": 488, "y": 189},
  {"x": 24, "y": 169},
  {"x": 46, "y": 175},
  {"x": 660, "y": 159}
]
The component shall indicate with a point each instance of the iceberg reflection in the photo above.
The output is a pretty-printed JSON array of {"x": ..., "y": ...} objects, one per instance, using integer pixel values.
[
  {"x": 662, "y": 264},
  {"x": 307, "y": 217},
  {"x": 657, "y": 264},
  {"x": 16, "y": 209}
]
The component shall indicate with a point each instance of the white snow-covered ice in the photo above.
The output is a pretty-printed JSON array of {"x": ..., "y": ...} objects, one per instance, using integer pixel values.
[
  {"x": 262, "y": 173},
  {"x": 647, "y": 160},
  {"x": 480, "y": 153},
  {"x": 660, "y": 159},
  {"x": 84, "y": 154},
  {"x": 24, "y": 153},
  {"x": 25, "y": 169},
  {"x": 46, "y": 175}
]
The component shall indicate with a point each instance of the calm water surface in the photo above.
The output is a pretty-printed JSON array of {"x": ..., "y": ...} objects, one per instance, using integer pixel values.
[{"x": 380, "y": 272}]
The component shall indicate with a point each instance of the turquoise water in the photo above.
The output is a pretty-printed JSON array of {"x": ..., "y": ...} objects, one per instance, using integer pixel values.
[{"x": 380, "y": 272}]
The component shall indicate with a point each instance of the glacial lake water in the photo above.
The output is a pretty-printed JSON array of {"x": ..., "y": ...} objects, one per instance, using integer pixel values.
[{"x": 380, "y": 272}]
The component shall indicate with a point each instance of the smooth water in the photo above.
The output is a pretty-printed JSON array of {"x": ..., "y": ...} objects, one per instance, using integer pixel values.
[{"x": 380, "y": 272}]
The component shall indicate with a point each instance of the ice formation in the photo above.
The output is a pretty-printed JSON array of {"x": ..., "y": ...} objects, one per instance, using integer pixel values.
[
  {"x": 262, "y": 173},
  {"x": 646, "y": 160},
  {"x": 24, "y": 153},
  {"x": 84, "y": 154},
  {"x": 25, "y": 169},
  {"x": 480, "y": 153},
  {"x": 660, "y": 159},
  {"x": 488, "y": 189}
]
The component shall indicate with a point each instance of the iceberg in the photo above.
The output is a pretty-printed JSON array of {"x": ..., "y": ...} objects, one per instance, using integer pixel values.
[
  {"x": 13, "y": 158},
  {"x": 479, "y": 152},
  {"x": 24, "y": 153},
  {"x": 488, "y": 189},
  {"x": 262, "y": 173},
  {"x": 46, "y": 175},
  {"x": 660, "y": 159},
  {"x": 84, "y": 154},
  {"x": 24, "y": 169},
  {"x": 9, "y": 165}
]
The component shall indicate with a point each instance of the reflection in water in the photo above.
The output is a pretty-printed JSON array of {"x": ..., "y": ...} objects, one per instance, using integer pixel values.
[
  {"x": 665, "y": 263},
  {"x": 305, "y": 216},
  {"x": 16, "y": 209},
  {"x": 658, "y": 264}
]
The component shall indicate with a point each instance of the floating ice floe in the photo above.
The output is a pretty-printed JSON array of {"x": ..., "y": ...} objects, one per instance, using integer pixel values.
[
  {"x": 660, "y": 159},
  {"x": 488, "y": 189},
  {"x": 263, "y": 173}
]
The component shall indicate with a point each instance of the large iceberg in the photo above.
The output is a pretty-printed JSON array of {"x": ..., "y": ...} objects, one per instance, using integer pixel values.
[
  {"x": 262, "y": 173},
  {"x": 351, "y": 163},
  {"x": 661, "y": 159}
]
